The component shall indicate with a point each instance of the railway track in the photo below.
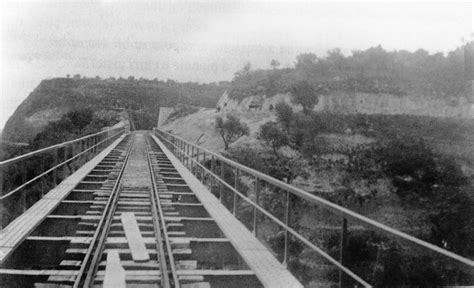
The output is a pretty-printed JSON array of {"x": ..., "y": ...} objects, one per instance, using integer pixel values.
[{"x": 131, "y": 222}]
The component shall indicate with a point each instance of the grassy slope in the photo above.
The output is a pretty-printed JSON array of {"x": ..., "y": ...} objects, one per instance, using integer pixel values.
[{"x": 199, "y": 128}]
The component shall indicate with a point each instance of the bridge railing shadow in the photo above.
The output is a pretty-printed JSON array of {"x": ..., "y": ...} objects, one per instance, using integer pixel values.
[
  {"x": 341, "y": 248},
  {"x": 27, "y": 178}
]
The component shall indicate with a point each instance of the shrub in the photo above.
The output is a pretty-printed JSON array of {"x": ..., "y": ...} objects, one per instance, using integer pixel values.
[
  {"x": 305, "y": 95},
  {"x": 230, "y": 129},
  {"x": 272, "y": 136},
  {"x": 284, "y": 114}
]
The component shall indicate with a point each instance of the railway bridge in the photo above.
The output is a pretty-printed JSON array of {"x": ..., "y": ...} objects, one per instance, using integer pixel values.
[{"x": 149, "y": 209}]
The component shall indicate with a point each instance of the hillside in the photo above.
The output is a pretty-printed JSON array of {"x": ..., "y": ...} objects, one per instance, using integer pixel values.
[
  {"x": 418, "y": 76},
  {"x": 411, "y": 172},
  {"x": 140, "y": 98}
]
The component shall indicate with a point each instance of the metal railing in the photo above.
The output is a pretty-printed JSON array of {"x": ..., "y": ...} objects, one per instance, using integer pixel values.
[
  {"x": 27, "y": 177},
  {"x": 209, "y": 166}
]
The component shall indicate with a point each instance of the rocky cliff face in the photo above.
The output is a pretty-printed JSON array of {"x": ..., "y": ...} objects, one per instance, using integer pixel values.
[{"x": 364, "y": 103}]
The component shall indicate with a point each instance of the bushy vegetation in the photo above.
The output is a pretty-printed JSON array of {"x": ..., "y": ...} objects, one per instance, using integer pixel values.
[
  {"x": 72, "y": 125},
  {"x": 421, "y": 178},
  {"x": 431, "y": 182},
  {"x": 374, "y": 70},
  {"x": 273, "y": 136},
  {"x": 230, "y": 129}
]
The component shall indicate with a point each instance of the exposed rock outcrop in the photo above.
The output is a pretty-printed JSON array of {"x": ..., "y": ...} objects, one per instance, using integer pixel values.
[{"x": 364, "y": 103}]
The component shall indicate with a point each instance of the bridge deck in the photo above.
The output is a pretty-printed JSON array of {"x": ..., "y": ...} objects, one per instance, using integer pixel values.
[
  {"x": 12, "y": 236},
  {"x": 265, "y": 266}
]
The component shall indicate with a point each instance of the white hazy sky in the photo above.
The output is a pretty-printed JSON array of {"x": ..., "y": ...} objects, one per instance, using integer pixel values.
[{"x": 203, "y": 41}]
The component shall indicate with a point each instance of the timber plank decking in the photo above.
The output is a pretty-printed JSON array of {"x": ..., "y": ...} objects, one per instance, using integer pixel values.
[
  {"x": 134, "y": 237},
  {"x": 22, "y": 226},
  {"x": 268, "y": 270},
  {"x": 114, "y": 272}
]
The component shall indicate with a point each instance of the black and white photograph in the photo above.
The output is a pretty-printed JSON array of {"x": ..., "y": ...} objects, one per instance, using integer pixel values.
[{"x": 236, "y": 144}]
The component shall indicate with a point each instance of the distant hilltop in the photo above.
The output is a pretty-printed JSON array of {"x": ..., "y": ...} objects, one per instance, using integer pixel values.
[
  {"x": 140, "y": 98},
  {"x": 372, "y": 81}
]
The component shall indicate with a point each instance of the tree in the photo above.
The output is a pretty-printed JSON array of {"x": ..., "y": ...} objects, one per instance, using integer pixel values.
[
  {"x": 284, "y": 114},
  {"x": 231, "y": 129},
  {"x": 275, "y": 64},
  {"x": 244, "y": 72},
  {"x": 305, "y": 95},
  {"x": 272, "y": 136},
  {"x": 306, "y": 61}
]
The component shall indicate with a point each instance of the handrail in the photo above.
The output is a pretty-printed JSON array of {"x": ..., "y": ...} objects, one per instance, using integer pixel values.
[
  {"x": 63, "y": 154},
  {"x": 336, "y": 209},
  {"x": 10, "y": 193},
  {"x": 53, "y": 147},
  {"x": 281, "y": 224}
]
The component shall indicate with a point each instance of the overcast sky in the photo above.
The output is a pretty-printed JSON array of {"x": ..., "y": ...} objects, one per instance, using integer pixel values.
[{"x": 203, "y": 41}]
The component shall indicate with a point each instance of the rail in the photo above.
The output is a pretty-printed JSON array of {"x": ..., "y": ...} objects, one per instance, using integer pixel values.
[
  {"x": 195, "y": 158},
  {"x": 93, "y": 256},
  {"x": 50, "y": 165},
  {"x": 159, "y": 223}
]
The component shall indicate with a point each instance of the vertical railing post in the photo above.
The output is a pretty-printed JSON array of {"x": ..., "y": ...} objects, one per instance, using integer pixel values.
[
  {"x": 198, "y": 152},
  {"x": 287, "y": 221},
  {"x": 2, "y": 207},
  {"x": 62, "y": 159},
  {"x": 204, "y": 157},
  {"x": 342, "y": 246},
  {"x": 178, "y": 154},
  {"x": 198, "y": 168},
  {"x": 69, "y": 154},
  {"x": 74, "y": 152},
  {"x": 221, "y": 185},
  {"x": 91, "y": 145},
  {"x": 213, "y": 164},
  {"x": 186, "y": 154},
  {"x": 192, "y": 157},
  {"x": 86, "y": 146},
  {"x": 43, "y": 179},
  {"x": 55, "y": 162},
  {"x": 175, "y": 146},
  {"x": 255, "y": 211},
  {"x": 23, "y": 191},
  {"x": 81, "y": 148},
  {"x": 236, "y": 181},
  {"x": 177, "y": 149}
]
